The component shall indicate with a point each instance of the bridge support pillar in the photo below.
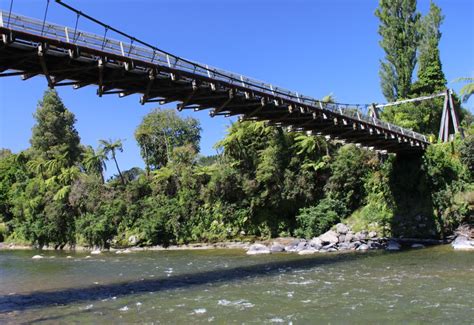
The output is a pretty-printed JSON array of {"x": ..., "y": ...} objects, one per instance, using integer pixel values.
[{"x": 448, "y": 110}]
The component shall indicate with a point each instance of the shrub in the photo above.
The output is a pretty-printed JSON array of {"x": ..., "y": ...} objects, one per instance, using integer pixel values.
[
  {"x": 3, "y": 231},
  {"x": 315, "y": 220},
  {"x": 447, "y": 178},
  {"x": 466, "y": 152}
]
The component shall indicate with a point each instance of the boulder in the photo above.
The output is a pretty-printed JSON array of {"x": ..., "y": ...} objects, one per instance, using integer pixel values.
[
  {"x": 463, "y": 243},
  {"x": 349, "y": 237},
  {"x": 344, "y": 246},
  {"x": 133, "y": 240},
  {"x": 361, "y": 235},
  {"x": 37, "y": 257},
  {"x": 96, "y": 252},
  {"x": 342, "y": 238},
  {"x": 292, "y": 246},
  {"x": 342, "y": 228},
  {"x": 392, "y": 245},
  {"x": 372, "y": 234},
  {"x": 307, "y": 251},
  {"x": 354, "y": 245},
  {"x": 363, "y": 247},
  {"x": 329, "y": 237},
  {"x": 417, "y": 245},
  {"x": 332, "y": 249},
  {"x": 375, "y": 245},
  {"x": 257, "y": 249},
  {"x": 328, "y": 246},
  {"x": 315, "y": 242},
  {"x": 277, "y": 248},
  {"x": 301, "y": 245}
]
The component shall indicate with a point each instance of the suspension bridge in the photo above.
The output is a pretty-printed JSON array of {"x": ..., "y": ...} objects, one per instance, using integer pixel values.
[{"x": 67, "y": 56}]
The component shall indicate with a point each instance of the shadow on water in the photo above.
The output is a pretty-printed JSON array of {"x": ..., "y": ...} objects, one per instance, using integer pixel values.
[{"x": 18, "y": 302}]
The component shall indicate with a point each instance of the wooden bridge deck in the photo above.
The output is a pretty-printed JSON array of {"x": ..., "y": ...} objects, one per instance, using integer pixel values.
[{"x": 67, "y": 57}]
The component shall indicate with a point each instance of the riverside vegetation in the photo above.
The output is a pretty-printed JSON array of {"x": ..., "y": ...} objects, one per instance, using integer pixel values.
[{"x": 264, "y": 183}]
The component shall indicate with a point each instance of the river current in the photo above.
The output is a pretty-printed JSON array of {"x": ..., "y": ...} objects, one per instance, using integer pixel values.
[{"x": 432, "y": 285}]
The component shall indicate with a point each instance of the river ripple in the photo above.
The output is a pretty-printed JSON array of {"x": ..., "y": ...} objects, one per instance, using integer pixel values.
[{"x": 433, "y": 285}]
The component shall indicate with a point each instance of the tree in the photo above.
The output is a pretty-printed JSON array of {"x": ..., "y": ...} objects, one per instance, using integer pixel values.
[
  {"x": 398, "y": 29},
  {"x": 54, "y": 133},
  {"x": 467, "y": 90},
  {"x": 4, "y": 153},
  {"x": 111, "y": 147},
  {"x": 94, "y": 161},
  {"x": 425, "y": 116},
  {"x": 430, "y": 73},
  {"x": 163, "y": 130}
]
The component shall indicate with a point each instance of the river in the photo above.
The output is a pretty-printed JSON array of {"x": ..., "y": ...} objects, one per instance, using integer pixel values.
[{"x": 432, "y": 285}]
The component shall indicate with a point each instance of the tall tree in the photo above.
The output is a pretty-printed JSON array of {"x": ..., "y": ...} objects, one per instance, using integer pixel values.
[
  {"x": 54, "y": 133},
  {"x": 398, "y": 29},
  {"x": 430, "y": 73},
  {"x": 111, "y": 147},
  {"x": 163, "y": 130},
  {"x": 424, "y": 117}
]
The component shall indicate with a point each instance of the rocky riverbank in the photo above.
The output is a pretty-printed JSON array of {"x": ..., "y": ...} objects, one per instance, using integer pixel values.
[
  {"x": 342, "y": 238},
  {"x": 464, "y": 238}
]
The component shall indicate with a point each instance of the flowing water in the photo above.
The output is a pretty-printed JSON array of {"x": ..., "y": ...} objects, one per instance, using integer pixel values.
[{"x": 432, "y": 285}]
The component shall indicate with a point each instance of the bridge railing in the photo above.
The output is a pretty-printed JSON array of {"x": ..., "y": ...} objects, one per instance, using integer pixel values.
[{"x": 128, "y": 49}]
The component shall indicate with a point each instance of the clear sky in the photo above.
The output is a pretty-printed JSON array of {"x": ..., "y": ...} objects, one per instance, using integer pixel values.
[{"x": 313, "y": 47}]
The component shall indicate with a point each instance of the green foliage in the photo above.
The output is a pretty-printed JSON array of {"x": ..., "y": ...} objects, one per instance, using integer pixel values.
[
  {"x": 468, "y": 89},
  {"x": 447, "y": 178},
  {"x": 423, "y": 117},
  {"x": 3, "y": 231},
  {"x": 110, "y": 147},
  {"x": 430, "y": 74},
  {"x": 377, "y": 211},
  {"x": 466, "y": 152},
  {"x": 398, "y": 29},
  {"x": 94, "y": 162},
  {"x": 163, "y": 130},
  {"x": 54, "y": 133},
  {"x": 348, "y": 172},
  {"x": 12, "y": 171},
  {"x": 315, "y": 220}
]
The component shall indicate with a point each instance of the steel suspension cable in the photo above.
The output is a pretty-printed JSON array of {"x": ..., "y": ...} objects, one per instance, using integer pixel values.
[
  {"x": 44, "y": 18},
  {"x": 10, "y": 13},
  {"x": 75, "y": 27}
]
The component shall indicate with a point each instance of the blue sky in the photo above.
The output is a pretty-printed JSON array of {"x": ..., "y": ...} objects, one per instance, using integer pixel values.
[{"x": 313, "y": 47}]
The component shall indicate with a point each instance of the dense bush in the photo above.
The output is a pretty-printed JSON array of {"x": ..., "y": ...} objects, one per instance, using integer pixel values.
[
  {"x": 315, "y": 220},
  {"x": 448, "y": 177},
  {"x": 466, "y": 152}
]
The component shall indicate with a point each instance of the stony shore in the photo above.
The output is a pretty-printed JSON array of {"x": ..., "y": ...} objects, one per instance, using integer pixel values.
[
  {"x": 464, "y": 238},
  {"x": 341, "y": 238}
]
